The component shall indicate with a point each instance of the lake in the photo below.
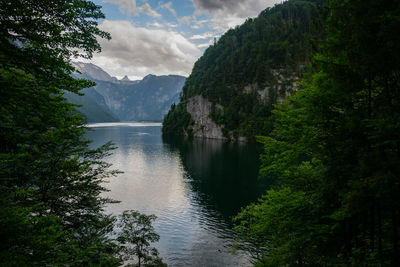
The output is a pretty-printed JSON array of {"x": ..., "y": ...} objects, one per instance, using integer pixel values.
[{"x": 193, "y": 187}]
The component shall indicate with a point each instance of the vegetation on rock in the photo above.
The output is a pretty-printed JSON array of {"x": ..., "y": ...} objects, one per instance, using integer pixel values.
[{"x": 258, "y": 54}]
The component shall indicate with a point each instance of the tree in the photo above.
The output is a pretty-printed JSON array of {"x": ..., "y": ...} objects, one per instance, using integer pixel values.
[
  {"x": 135, "y": 234},
  {"x": 335, "y": 147},
  {"x": 51, "y": 182}
]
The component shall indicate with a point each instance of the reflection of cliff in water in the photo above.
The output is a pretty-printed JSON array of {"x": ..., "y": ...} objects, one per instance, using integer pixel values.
[{"x": 223, "y": 176}]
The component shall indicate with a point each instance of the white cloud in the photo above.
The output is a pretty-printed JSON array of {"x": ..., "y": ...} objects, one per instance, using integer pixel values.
[
  {"x": 184, "y": 20},
  {"x": 127, "y": 7},
  {"x": 155, "y": 24},
  {"x": 146, "y": 8},
  {"x": 205, "y": 35},
  {"x": 171, "y": 25},
  {"x": 202, "y": 21},
  {"x": 135, "y": 51},
  {"x": 197, "y": 24},
  {"x": 168, "y": 6},
  {"x": 210, "y": 42},
  {"x": 204, "y": 45},
  {"x": 222, "y": 24},
  {"x": 230, "y": 13}
]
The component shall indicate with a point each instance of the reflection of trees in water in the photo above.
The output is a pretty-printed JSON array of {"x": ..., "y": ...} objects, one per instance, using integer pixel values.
[{"x": 223, "y": 176}]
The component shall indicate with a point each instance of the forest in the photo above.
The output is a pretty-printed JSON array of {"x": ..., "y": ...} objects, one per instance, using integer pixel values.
[
  {"x": 334, "y": 151},
  {"x": 331, "y": 149},
  {"x": 279, "y": 42},
  {"x": 51, "y": 181}
]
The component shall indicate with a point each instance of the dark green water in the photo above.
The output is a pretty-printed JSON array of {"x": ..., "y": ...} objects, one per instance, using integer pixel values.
[{"x": 193, "y": 187}]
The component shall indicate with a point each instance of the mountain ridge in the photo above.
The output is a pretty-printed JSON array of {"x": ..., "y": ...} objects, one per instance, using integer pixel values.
[
  {"x": 126, "y": 100},
  {"x": 246, "y": 72}
]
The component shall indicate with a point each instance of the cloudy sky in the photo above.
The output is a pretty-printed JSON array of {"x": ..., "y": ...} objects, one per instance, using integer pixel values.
[{"x": 166, "y": 37}]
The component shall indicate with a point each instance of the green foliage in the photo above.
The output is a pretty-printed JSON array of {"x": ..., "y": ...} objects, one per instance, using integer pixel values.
[
  {"x": 135, "y": 235},
  {"x": 177, "y": 121},
  {"x": 335, "y": 151},
  {"x": 278, "y": 42},
  {"x": 51, "y": 183},
  {"x": 275, "y": 218},
  {"x": 278, "y": 37},
  {"x": 34, "y": 239}
]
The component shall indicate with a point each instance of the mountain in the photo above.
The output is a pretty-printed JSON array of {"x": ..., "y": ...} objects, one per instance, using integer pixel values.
[
  {"x": 148, "y": 99},
  {"x": 94, "y": 72},
  {"x": 91, "y": 107},
  {"x": 234, "y": 85},
  {"x": 125, "y": 79},
  {"x": 126, "y": 100}
]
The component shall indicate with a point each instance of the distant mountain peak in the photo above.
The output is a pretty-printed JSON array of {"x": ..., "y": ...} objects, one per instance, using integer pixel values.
[
  {"x": 93, "y": 71},
  {"x": 125, "y": 78},
  {"x": 125, "y": 99},
  {"x": 149, "y": 76}
]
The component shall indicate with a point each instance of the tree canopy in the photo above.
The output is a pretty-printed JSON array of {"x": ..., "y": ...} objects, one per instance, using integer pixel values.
[
  {"x": 334, "y": 151},
  {"x": 50, "y": 181}
]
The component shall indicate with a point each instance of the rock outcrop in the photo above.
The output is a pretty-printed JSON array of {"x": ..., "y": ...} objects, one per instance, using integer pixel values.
[
  {"x": 249, "y": 70},
  {"x": 199, "y": 109}
]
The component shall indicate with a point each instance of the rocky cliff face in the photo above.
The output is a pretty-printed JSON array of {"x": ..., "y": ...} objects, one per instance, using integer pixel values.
[
  {"x": 283, "y": 84},
  {"x": 233, "y": 87},
  {"x": 199, "y": 109}
]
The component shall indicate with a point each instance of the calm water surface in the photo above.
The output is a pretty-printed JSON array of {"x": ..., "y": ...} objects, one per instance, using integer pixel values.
[{"x": 194, "y": 188}]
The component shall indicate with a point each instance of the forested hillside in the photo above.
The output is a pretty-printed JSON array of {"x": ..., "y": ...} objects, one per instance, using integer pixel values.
[
  {"x": 249, "y": 69},
  {"x": 334, "y": 152}
]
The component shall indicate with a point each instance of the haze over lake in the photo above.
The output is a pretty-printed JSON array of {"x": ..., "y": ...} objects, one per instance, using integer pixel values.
[{"x": 193, "y": 187}]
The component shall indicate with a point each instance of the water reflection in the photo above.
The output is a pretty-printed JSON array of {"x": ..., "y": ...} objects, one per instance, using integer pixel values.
[
  {"x": 223, "y": 175},
  {"x": 194, "y": 188}
]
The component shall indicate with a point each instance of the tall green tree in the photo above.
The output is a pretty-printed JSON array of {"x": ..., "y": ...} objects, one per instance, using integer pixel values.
[
  {"x": 50, "y": 181},
  {"x": 335, "y": 150}
]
